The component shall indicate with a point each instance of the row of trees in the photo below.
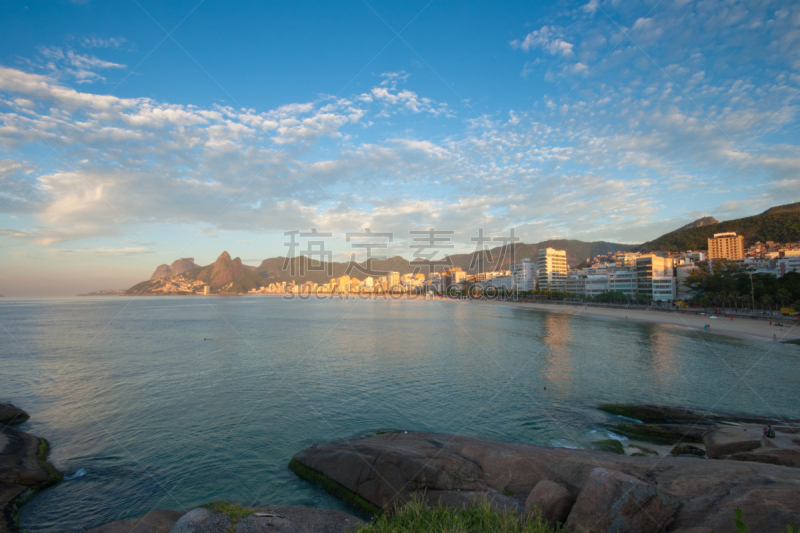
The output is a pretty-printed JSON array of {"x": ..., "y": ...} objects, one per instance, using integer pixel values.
[{"x": 723, "y": 283}]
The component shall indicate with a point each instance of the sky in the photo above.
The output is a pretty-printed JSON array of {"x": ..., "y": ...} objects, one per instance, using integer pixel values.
[{"x": 133, "y": 133}]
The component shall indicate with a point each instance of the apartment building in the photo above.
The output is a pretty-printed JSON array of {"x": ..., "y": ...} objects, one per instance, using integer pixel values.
[
  {"x": 552, "y": 270},
  {"x": 524, "y": 275},
  {"x": 653, "y": 274},
  {"x": 726, "y": 246}
]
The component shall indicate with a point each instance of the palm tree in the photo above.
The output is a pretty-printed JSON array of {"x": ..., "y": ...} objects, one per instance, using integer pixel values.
[{"x": 783, "y": 295}]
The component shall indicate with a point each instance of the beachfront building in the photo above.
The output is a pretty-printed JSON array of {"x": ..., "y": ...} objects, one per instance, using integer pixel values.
[
  {"x": 726, "y": 246},
  {"x": 623, "y": 280},
  {"x": 503, "y": 282},
  {"x": 595, "y": 284},
  {"x": 524, "y": 275},
  {"x": 682, "y": 273},
  {"x": 654, "y": 273},
  {"x": 664, "y": 289},
  {"x": 576, "y": 282},
  {"x": 552, "y": 270},
  {"x": 392, "y": 280}
]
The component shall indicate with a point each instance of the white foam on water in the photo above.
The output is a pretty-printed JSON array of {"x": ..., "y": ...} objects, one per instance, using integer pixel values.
[
  {"x": 78, "y": 473},
  {"x": 561, "y": 443}
]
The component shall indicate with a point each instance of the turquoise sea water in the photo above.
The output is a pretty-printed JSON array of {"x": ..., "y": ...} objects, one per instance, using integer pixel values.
[{"x": 143, "y": 413}]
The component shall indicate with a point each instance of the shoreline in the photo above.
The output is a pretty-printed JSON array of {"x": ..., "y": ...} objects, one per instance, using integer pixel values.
[{"x": 741, "y": 328}]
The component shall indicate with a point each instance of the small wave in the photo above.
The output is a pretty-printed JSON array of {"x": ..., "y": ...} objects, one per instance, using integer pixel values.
[
  {"x": 79, "y": 473},
  {"x": 561, "y": 443}
]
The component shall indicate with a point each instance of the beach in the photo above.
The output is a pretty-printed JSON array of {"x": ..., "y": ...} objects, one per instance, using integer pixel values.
[{"x": 742, "y": 328}]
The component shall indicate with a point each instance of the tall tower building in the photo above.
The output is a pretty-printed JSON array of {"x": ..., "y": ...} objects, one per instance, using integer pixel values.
[
  {"x": 552, "y": 270},
  {"x": 726, "y": 246}
]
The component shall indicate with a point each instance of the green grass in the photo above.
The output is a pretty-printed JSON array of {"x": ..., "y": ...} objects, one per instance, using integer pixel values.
[
  {"x": 235, "y": 511},
  {"x": 415, "y": 517}
]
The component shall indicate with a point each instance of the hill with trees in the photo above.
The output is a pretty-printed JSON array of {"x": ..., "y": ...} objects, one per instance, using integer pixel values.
[{"x": 779, "y": 224}]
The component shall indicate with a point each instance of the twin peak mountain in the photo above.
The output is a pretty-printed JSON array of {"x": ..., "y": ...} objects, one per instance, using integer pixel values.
[{"x": 219, "y": 274}]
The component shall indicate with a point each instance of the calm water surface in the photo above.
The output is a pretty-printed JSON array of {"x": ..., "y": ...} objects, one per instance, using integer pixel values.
[{"x": 143, "y": 413}]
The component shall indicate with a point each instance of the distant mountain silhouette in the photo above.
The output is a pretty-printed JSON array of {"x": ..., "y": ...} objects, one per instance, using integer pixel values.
[
  {"x": 699, "y": 223},
  {"x": 178, "y": 267}
]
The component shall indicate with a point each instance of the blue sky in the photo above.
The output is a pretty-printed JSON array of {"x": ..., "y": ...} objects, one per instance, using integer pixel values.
[{"x": 134, "y": 133}]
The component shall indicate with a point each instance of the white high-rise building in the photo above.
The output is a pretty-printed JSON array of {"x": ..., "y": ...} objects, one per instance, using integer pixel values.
[
  {"x": 552, "y": 270},
  {"x": 524, "y": 275}
]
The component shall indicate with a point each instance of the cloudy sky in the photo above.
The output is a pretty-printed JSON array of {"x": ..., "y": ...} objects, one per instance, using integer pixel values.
[{"x": 133, "y": 133}]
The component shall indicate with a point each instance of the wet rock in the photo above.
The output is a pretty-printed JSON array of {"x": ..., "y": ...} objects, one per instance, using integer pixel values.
[
  {"x": 611, "y": 501},
  {"x": 159, "y": 521},
  {"x": 11, "y": 414},
  {"x": 552, "y": 500},
  {"x": 688, "y": 450},
  {"x": 747, "y": 443},
  {"x": 201, "y": 520},
  {"x": 728, "y": 440},
  {"x": 637, "y": 450},
  {"x": 609, "y": 446},
  {"x": 24, "y": 470},
  {"x": 661, "y": 433},
  {"x": 661, "y": 414}
]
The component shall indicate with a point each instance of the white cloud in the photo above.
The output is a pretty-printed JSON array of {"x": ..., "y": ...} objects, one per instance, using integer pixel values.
[{"x": 547, "y": 38}]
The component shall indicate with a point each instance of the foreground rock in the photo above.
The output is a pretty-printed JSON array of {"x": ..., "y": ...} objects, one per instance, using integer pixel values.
[
  {"x": 276, "y": 519},
  {"x": 747, "y": 443},
  {"x": 724, "y": 436},
  {"x": 611, "y": 492},
  {"x": 10, "y": 414},
  {"x": 24, "y": 469}
]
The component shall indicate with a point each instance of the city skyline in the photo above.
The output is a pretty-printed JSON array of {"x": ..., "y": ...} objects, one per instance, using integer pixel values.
[{"x": 128, "y": 139}]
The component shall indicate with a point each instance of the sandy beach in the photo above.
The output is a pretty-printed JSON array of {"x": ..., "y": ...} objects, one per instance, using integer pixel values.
[{"x": 743, "y": 328}]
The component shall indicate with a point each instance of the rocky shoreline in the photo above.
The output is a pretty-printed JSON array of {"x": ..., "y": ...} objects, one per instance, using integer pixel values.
[
  {"x": 677, "y": 471},
  {"x": 24, "y": 469}
]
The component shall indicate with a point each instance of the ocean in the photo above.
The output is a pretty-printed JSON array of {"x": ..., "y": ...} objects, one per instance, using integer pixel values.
[{"x": 171, "y": 402}]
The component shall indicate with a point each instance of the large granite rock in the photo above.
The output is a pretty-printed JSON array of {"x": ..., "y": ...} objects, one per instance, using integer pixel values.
[
  {"x": 747, "y": 443},
  {"x": 552, "y": 500},
  {"x": 378, "y": 471},
  {"x": 613, "y": 501},
  {"x": 23, "y": 471},
  {"x": 11, "y": 414},
  {"x": 201, "y": 520}
]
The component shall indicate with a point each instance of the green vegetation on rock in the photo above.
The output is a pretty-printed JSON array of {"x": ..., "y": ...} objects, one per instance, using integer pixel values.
[
  {"x": 333, "y": 487},
  {"x": 416, "y": 517},
  {"x": 686, "y": 449},
  {"x": 659, "y": 434},
  {"x": 645, "y": 413},
  {"x": 53, "y": 477},
  {"x": 234, "y": 511},
  {"x": 609, "y": 445}
]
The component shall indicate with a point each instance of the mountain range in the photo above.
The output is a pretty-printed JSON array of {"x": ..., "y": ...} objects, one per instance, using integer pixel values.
[{"x": 226, "y": 275}]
